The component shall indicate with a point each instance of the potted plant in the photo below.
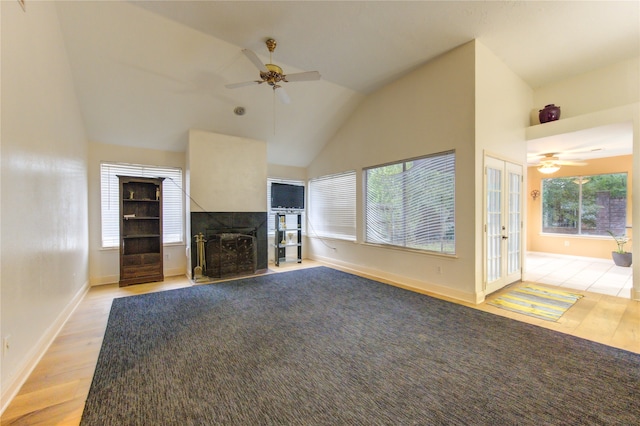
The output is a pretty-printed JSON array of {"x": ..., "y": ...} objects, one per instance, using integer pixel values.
[{"x": 620, "y": 256}]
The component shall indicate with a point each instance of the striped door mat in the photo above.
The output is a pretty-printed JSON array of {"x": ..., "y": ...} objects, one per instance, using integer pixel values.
[{"x": 535, "y": 301}]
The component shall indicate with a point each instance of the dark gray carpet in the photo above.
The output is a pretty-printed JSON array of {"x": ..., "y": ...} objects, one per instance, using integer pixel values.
[{"x": 322, "y": 347}]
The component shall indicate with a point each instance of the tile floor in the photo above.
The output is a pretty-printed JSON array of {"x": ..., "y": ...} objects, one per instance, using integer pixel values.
[{"x": 579, "y": 273}]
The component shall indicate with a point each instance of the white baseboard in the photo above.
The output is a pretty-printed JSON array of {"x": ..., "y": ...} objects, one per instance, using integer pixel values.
[
  {"x": 400, "y": 281},
  {"x": 34, "y": 356},
  {"x": 107, "y": 279},
  {"x": 173, "y": 272}
]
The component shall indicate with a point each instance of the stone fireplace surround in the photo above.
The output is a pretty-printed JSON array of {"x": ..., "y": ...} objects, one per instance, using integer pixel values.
[{"x": 212, "y": 223}]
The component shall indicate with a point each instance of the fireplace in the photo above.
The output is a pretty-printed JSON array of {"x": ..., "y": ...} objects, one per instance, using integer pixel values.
[
  {"x": 230, "y": 252},
  {"x": 235, "y": 243}
]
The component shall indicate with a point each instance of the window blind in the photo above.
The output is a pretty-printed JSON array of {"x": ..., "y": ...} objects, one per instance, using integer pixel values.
[
  {"x": 172, "y": 208},
  {"x": 412, "y": 203},
  {"x": 332, "y": 205}
]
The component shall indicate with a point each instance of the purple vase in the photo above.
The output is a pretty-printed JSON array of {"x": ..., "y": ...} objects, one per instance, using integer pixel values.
[{"x": 549, "y": 113}]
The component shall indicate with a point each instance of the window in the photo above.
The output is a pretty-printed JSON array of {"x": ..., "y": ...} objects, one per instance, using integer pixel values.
[
  {"x": 332, "y": 206},
  {"x": 585, "y": 205},
  {"x": 292, "y": 220},
  {"x": 172, "y": 210},
  {"x": 412, "y": 203}
]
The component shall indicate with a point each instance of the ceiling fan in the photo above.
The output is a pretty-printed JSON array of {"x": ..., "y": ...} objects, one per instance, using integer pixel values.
[
  {"x": 273, "y": 75},
  {"x": 550, "y": 162}
]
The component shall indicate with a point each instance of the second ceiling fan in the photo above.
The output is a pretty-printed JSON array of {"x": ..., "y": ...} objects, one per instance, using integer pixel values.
[
  {"x": 273, "y": 75},
  {"x": 550, "y": 162}
]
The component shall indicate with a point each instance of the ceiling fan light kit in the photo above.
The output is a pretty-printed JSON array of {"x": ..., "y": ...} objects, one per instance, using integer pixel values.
[{"x": 547, "y": 169}]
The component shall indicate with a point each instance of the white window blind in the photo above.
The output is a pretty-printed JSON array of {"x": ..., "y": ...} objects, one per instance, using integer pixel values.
[
  {"x": 172, "y": 209},
  {"x": 412, "y": 203},
  {"x": 292, "y": 220},
  {"x": 332, "y": 206}
]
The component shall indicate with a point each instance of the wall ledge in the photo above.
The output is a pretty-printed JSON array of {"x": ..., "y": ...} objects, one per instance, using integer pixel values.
[{"x": 582, "y": 122}]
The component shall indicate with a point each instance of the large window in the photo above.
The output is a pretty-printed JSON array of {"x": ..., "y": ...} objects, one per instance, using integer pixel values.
[
  {"x": 292, "y": 220},
  {"x": 172, "y": 209},
  {"x": 412, "y": 203},
  {"x": 585, "y": 205},
  {"x": 332, "y": 206}
]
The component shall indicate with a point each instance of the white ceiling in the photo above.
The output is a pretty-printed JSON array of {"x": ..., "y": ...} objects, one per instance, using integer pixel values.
[{"x": 147, "y": 72}]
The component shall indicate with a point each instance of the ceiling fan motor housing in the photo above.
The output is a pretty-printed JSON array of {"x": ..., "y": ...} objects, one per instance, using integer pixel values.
[{"x": 274, "y": 76}]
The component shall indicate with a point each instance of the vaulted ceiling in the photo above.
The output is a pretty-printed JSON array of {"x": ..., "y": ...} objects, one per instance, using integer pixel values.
[{"x": 147, "y": 72}]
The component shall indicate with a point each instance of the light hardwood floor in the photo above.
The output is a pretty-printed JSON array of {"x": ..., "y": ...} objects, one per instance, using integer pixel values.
[{"x": 56, "y": 391}]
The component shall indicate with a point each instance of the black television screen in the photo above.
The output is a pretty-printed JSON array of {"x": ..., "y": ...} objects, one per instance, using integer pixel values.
[{"x": 287, "y": 197}]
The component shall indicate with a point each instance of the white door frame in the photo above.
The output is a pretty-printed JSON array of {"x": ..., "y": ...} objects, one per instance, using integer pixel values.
[{"x": 503, "y": 228}]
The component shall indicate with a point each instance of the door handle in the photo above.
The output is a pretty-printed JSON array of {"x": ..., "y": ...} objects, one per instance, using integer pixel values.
[{"x": 504, "y": 237}]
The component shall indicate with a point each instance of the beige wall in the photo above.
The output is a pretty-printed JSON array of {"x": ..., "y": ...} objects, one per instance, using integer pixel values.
[
  {"x": 502, "y": 104},
  {"x": 104, "y": 264},
  {"x": 598, "y": 90},
  {"x": 44, "y": 230},
  {"x": 286, "y": 172},
  {"x": 227, "y": 173},
  {"x": 428, "y": 111},
  {"x": 590, "y": 246},
  {"x": 431, "y": 110}
]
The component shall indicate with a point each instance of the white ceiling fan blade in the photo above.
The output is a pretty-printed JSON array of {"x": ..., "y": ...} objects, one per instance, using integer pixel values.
[
  {"x": 534, "y": 155},
  {"x": 282, "y": 95},
  {"x": 256, "y": 61},
  {"x": 246, "y": 83},
  {"x": 571, "y": 163},
  {"x": 302, "y": 76}
]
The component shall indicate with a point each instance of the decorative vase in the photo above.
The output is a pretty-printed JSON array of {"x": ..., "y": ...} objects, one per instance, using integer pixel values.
[
  {"x": 549, "y": 113},
  {"x": 622, "y": 259}
]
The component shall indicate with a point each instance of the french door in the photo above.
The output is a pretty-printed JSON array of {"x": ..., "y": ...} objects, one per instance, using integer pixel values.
[{"x": 502, "y": 223}]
